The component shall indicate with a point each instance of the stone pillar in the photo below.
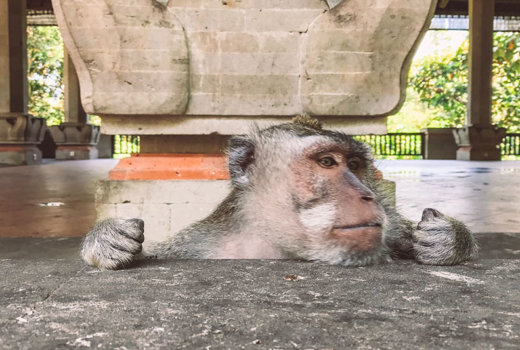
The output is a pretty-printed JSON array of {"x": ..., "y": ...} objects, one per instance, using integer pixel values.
[
  {"x": 75, "y": 138},
  {"x": 479, "y": 139},
  {"x": 19, "y": 132},
  {"x": 74, "y": 112}
]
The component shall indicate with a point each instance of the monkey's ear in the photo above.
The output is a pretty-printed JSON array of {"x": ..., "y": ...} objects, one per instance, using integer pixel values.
[{"x": 241, "y": 155}]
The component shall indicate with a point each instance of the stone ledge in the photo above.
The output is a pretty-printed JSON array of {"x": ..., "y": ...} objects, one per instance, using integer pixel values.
[{"x": 254, "y": 304}]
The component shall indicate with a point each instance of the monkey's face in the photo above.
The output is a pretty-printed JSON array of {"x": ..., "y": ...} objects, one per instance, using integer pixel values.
[
  {"x": 332, "y": 202},
  {"x": 305, "y": 191}
]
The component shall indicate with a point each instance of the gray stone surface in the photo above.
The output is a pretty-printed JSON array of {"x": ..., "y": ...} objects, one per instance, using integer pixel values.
[{"x": 50, "y": 300}]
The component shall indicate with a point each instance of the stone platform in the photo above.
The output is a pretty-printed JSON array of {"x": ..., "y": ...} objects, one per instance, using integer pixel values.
[{"x": 50, "y": 300}]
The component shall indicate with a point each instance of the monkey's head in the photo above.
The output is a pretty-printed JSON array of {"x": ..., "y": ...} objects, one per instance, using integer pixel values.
[{"x": 309, "y": 191}]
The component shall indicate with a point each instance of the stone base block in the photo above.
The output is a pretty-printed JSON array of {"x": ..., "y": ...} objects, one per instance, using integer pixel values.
[
  {"x": 166, "y": 206},
  {"x": 440, "y": 143},
  {"x": 76, "y": 152},
  {"x": 20, "y": 155}
]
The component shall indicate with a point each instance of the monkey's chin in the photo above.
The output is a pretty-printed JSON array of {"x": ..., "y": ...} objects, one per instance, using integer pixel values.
[{"x": 358, "y": 238}]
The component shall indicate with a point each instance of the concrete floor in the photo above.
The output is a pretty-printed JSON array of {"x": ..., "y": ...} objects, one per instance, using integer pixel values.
[
  {"x": 485, "y": 195},
  {"x": 50, "y": 300},
  {"x": 26, "y": 191}
]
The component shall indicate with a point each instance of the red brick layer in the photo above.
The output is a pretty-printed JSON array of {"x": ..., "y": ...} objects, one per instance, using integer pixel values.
[{"x": 171, "y": 167}]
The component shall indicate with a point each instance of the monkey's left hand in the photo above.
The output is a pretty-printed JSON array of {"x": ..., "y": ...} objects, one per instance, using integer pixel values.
[{"x": 442, "y": 240}]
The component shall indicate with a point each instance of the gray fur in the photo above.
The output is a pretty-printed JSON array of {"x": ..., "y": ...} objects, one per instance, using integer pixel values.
[
  {"x": 259, "y": 218},
  {"x": 113, "y": 243}
]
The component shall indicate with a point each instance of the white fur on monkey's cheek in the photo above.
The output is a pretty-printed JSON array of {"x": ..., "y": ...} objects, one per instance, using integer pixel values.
[{"x": 318, "y": 218}]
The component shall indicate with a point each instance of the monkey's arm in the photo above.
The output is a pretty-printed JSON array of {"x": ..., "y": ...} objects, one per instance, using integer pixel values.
[{"x": 436, "y": 240}]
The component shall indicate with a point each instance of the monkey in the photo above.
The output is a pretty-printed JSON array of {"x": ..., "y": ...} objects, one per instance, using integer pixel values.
[{"x": 301, "y": 192}]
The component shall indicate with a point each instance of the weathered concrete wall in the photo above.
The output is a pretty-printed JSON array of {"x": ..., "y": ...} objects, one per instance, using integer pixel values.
[
  {"x": 166, "y": 206},
  {"x": 201, "y": 58}
]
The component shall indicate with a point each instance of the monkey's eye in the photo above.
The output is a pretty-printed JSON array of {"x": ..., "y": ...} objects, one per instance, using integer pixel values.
[
  {"x": 327, "y": 162},
  {"x": 354, "y": 164}
]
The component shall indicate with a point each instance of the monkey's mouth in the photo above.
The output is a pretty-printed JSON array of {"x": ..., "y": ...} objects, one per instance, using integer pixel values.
[
  {"x": 359, "y": 238},
  {"x": 359, "y": 226}
]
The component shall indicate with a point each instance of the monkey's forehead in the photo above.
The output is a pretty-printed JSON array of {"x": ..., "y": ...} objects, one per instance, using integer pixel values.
[
  {"x": 287, "y": 140},
  {"x": 303, "y": 131}
]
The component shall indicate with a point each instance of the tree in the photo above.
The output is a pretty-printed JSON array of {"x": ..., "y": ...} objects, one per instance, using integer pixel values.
[
  {"x": 441, "y": 83},
  {"x": 45, "y": 73}
]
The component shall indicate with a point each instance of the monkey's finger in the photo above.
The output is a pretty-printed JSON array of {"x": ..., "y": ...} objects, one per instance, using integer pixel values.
[
  {"x": 123, "y": 244},
  {"x": 131, "y": 228}
]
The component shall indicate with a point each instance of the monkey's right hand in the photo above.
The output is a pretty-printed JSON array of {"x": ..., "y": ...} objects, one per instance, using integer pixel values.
[{"x": 113, "y": 243}]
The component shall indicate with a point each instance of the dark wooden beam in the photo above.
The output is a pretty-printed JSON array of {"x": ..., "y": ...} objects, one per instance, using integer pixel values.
[
  {"x": 480, "y": 59},
  {"x": 444, "y": 7},
  {"x": 39, "y": 5},
  {"x": 460, "y": 7}
]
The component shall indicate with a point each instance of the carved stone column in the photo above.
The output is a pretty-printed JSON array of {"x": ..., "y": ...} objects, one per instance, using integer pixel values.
[
  {"x": 75, "y": 141},
  {"x": 75, "y": 138},
  {"x": 20, "y": 133},
  {"x": 479, "y": 139},
  {"x": 19, "y": 136}
]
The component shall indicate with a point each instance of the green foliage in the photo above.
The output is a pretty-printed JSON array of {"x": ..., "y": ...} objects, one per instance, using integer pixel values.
[
  {"x": 414, "y": 115},
  {"x": 506, "y": 79},
  {"x": 441, "y": 83},
  {"x": 45, "y": 73}
]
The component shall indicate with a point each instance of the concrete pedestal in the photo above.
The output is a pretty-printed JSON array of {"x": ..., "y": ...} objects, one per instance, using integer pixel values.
[
  {"x": 75, "y": 141},
  {"x": 440, "y": 143},
  {"x": 19, "y": 136},
  {"x": 479, "y": 142},
  {"x": 166, "y": 206},
  {"x": 20, "y": 155},
  {"x": 71, "y": 152},
  {"x": 169, "y": 192}
]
